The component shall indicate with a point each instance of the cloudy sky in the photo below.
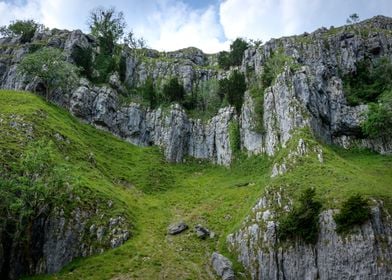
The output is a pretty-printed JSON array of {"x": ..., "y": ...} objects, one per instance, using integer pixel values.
[{"x": 207, "y": 24}]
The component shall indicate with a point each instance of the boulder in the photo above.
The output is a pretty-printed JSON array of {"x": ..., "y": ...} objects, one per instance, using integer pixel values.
[
  {"x": 177, "y": 228},
  {"x": 222, "y": 266}
]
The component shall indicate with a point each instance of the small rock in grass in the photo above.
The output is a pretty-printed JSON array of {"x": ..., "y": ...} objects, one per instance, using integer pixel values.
[{"x": 177, "y": 228}]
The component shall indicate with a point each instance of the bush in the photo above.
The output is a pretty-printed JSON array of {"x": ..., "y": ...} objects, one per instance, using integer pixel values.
[
  {"x": 234, "y": 57},
  {"x": 83, "y": 58},
  {"x": 234, "y": 137},
  {"x": 25, "y": 28},
  {"x": 104, "y": 64},
  {"x": 233, "y": 89},
  {"x": 274, "y": 66},
  {"x": 379, "y": 118},
  {"x": 355, "y": 211},
  {"x": 49, "y": 65},
  {"x": 369, "y": 81},
  {"x": 149, "y": 93},
  {"x": 302, "y": 221},
  {"x": 173, "y": 91}
]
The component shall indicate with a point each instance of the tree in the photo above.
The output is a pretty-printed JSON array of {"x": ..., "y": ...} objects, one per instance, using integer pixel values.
[
  {"x": 149, "y": 93},
  {"x": 107, "y": 26},
  {"x": 353, "y": 18},
  {"x": 133, "y": 42},
  {"x": 49, "y": 65},
  {"x": 233, "y": 89},
  {"x": 24, "y": 28},
  {"x": 237, "y": 49},
  {"x": 173, "y": 91}
]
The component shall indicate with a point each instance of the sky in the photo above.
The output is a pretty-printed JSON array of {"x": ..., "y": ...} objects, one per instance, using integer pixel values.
[{"x": 210, "y": 25}]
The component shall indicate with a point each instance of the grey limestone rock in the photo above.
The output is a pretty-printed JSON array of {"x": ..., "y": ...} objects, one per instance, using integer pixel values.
[
  {"x": 177, "y": 228},
  {"x": 222, "y": 266}
]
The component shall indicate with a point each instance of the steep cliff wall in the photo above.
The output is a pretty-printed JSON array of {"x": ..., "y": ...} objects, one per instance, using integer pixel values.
[{"x": 309, "y": 95}]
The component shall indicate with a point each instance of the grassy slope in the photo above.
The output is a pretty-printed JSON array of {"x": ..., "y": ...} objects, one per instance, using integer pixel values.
[{"x": 155, "y": 193}]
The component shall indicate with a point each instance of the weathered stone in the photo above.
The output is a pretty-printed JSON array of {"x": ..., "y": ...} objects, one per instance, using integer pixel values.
[
  {"x": 177, "y": 228},
  {"x": 202, "y": 232},
  {"x": 222, "y": 266}
]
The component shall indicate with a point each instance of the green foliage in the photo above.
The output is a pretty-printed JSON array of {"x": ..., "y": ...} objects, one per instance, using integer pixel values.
[
  {"x": 204, "y": 101},
  {"x": 107, "y": 26},
  {"x": 234, "y": 57},
  {"x": 237, "y": 49},
  {"x": 134, "y": 42},
  {"x": 235, "y": 137},
  {"x": 23, "y": 28},
  {"x": 275, "y": 65},
  {"x": 378, "y": 123},
  {"x": 355, "y": 211},
  {"x": 173, "y": 91},
  {"x": 104, "y": 64},
  {"x": 33, "y": 186},
  {"x": 302, "y": 221},
  {"x": 369, "y": 81},
  {"x": 224, "y": 60},
  {"x": 258, "y": 99},
  {"x": 233, "y": 89},
  {"x": 49, "y": 65},
  {"x": 353, "y": 18},
  {"x": 149, "y": 93},
  {"x": 83, "y": 58}
]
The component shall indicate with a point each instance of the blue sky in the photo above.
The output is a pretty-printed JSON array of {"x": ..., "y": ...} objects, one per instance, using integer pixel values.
[{"x": 207, "y": 24}]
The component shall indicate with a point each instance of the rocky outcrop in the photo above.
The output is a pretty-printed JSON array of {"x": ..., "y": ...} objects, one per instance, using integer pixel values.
[
  {"x": 54, "y": 240},
  {"x": 308, "y": 95},
  {"x": 222, "y": 266},
  {"x": 171, "y": 129},
  {"x": 365, "y": 253}
]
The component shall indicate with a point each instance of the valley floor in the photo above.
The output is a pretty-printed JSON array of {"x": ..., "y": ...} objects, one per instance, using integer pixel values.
[{"x": 154, "y": 194}]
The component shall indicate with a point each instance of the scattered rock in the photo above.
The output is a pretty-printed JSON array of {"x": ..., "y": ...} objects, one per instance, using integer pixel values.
[
  {"x": 202, "y": 232},
  {"x": 222, "y": 266},
  {"x": 177, "y": 228}
]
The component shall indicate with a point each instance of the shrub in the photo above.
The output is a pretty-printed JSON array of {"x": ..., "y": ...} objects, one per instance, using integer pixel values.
[
  {"x": 83, "y": 58},
  {"x": 274, "y": 65},
  {"x": 173, "y": 91},
  {"x": 379, "y": 118},
  {"x": 368, "y": 81},
  {"x": 49, "y": 65},
  {"x": 25, "y": 28},
  {"x": 302, "y": 221},
  {"x": 104, "y": 64},
  {"x": 233, "y": 89},
  {"x": 149, "y": 93},
  {"x": 234, "y": 57},
  {"x": 234, "y": 137},
  {"x": 355, "y": 211}
]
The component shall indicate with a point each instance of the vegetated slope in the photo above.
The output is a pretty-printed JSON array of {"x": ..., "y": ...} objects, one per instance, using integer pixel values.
[{"x": 152, "y": 193}]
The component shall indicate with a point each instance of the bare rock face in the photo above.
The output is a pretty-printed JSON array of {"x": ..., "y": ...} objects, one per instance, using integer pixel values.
[
  {"x": 58, "y": 238},
  {"x": 366, "y": 253},
  {"x": 222, "y": 266}
]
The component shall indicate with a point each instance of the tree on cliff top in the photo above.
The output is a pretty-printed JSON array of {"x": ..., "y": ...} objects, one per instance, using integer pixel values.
[{"x": 107, "y": 26}]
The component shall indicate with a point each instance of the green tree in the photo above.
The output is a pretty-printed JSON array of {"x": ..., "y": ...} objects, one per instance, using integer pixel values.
[
  {"x": 237, "y": 49},
  {"x": 379, "y": 118},
  {"x": 353, "y": 18},
  {"x": 224, "y": 60},
  {"x": 355, "y": 211},
  {"x": 173, "y": 91},
  {"x": 49, "y": 65},
  {"x": 23, "y": 28},
  {"x": 134, "y": 42},
  {"x": 149, "y": 93},
  {"x": 302, "y": 221},
  {"x": 107, "y": 26},
  {"x": 233, "y": 88}
]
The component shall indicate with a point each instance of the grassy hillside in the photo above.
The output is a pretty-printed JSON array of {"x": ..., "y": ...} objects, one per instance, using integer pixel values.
[{"x": 153, "y": 193}]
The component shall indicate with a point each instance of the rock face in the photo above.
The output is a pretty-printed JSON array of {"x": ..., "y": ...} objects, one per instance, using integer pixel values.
[
  {"x": 222, "y": 266},
  {"x": 366, "y": 253},
  {"x": 310, "y": 95},
  {"x": 57, "y": 239}
]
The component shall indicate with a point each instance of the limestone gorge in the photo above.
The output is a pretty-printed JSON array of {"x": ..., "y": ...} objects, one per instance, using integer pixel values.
[{"x": 263, "y": 178}]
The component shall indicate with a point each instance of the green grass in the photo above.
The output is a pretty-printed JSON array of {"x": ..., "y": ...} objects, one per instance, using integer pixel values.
[{"x": 153, "y": 193}]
